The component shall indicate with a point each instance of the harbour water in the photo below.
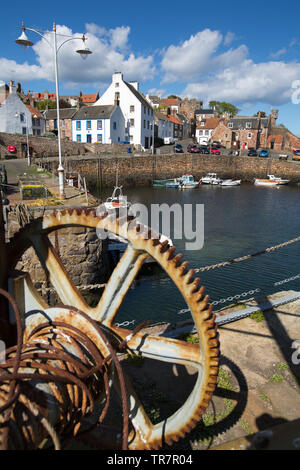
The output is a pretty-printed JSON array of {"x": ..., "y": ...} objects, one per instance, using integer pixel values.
[{"x": 237, "y": 221}]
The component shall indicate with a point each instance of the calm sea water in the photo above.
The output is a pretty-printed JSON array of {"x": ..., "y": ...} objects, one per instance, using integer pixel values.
[{"x": 238, "y": 221}]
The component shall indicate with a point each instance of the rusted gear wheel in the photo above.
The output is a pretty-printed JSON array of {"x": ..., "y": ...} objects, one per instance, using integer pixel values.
[{"x": 202, "y": 356}]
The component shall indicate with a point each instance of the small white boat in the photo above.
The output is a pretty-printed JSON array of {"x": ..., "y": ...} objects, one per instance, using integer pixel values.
[
  {"x": 117, "y": 201},
  {"x": 277, "y": 179},
  {"x": 210, "y": 178},
  {"x": 231, "y": 183},
  {"x": 187, "y": 182}
]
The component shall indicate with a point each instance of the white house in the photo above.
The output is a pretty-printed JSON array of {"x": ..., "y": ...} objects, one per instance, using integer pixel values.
[
  {"x": 137, "y": 112},
  {"x": 15, "y": 117},
  {"x": 165, "y": 127},
  {"x": 98, "y": 124},
  {"x": 205, "y": 129}
]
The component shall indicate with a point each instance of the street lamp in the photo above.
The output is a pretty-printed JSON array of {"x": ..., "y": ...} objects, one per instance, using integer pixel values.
[
  {"x": 84, "y": 52},
  {"x": 27, "y": 142}
]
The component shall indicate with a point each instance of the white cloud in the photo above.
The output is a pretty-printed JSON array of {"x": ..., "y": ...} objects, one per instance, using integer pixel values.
[
  {"x": 198, "y": 55},
  {"x": 109, "y": 54},
  {"x": 268, "y": 82},
  {"x": 190, "y": 58},
  {"x": 229, "y": 38},
  {"x": 279, "y": 53}
]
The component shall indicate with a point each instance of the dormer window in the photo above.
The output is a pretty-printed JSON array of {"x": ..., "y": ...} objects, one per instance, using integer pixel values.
[
  {"x": 202, "y": 123},
  {"x": 230, "y": 125},
  {"x": 248, "y": 125}
]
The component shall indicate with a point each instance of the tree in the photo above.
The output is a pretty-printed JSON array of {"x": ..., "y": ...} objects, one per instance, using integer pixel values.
[
  {"x": 262, "y": 114},
  {"x": 42, "y": 105},
  {"x": 223, "y": 107},
  {"x": 170, "y": 97}
]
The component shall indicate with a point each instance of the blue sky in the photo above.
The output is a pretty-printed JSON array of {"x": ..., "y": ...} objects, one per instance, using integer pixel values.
[{"x": 244, "y": 53}]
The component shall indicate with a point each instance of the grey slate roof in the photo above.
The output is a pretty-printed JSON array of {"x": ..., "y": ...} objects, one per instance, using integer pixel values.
[
  {"x": 204, "y": 111},
  {"x": 240, "y": 123},
  {"x": 64, "y": 113},
  {"x": 138, "y": 95},
  {"x": 95, "y": 112}
]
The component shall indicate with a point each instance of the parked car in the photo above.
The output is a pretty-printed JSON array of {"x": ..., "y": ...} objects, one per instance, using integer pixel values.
[
  {"x": 214, "y": 151},
  {"x": 296, "y": 154},
  {"x": 204, "y": 149},
  {"x": 283, "y": 156},
  {"x": 193, "y": 149},
  {"x": 252, "y": 153},
  {"x": 169, "y": 140},
  {"x": 216, "y": 144},
  {"x": 178, "y": 148},
  {"x": 264, "y": 153}
]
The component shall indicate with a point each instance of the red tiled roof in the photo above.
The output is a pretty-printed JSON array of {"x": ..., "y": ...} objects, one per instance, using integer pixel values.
[
  {"x": 41, "y": 96},
  {"x": 209, "y": 123},
  {"x": 34, "y": 111},
  {"x": 169, "y": 102},
  {"x": 173, "y": 119},
  {"x": 89, "y": 98}
]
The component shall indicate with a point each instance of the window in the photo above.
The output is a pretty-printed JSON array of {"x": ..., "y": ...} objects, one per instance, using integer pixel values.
[
  {"x": 78, "y": 125},
  {"x": 22, "y": 117},
  {"x": 36, "y": 122},
  {"x": 89, "y": 125},
  {"x": 99, "y": 138},
  {"x": 248, "y": 125},
  {"x": 131, "y": 138},
  {"x": 132, "y": 108},
  {"x": 38, "y": 132},
  {"x": 230, "y": 125},
  {"x": 203, "y": 123},
  {"x": 78, "y": 138},
  {"x": 63, "y": 123},
  {"x": 131, "y": 122},
  {"x": 117, "y": 84},
  {"x": 144, "y": 109},
  {"x": 206, "y": 132},
  {"x": 144, "y": 124},
  {"x": 99, "y": 125},
  {"x": 147, "y": 124},
  {"x": 249, "y": 135},
  {"x": 88, "y": 139},
  {"x": 24, "y": 130},
  {"x": 114, "y": 125},
  {"x": 201, "y": 132}
]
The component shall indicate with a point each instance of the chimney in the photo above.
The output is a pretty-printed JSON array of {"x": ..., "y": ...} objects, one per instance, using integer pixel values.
[
  {"x": 117, "y": 77},
  {"x": 12, "y": 87}
]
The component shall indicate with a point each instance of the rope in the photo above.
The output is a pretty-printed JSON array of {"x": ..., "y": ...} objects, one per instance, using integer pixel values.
[{"x": 243, "y": 258}]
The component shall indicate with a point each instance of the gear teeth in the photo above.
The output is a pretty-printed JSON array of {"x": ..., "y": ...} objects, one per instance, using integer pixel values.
[
  {"x": 171, "y": 252},
  {"x": 195, "y": 285},
  {"x": 183, "y": 268},
  {"x": 164, "y": 246},
  {"x": 155, "y": 241},
  {"x": 177, "y": 260},
  {"x": 189, "y": 276}
]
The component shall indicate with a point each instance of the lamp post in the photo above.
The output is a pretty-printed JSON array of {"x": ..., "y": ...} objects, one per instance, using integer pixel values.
[
  {"x": 27, "y": 140},
  {"x": 84, "y": 52}
]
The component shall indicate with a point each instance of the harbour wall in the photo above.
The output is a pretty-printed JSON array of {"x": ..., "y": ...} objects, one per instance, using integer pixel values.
[{"x": 142, "y": 170}]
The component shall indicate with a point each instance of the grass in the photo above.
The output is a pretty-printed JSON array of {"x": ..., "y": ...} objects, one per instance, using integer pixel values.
[
  {"x": 276, "y": 378},
  {"x": 189, "y": 338},
  {"x": 265, "y": 397},
  {"x": 282, "y": 366},
  {"x": 33, "y": 170},
  {"x": 246, "y": 426},
  {"x": 257, "y": 316}
]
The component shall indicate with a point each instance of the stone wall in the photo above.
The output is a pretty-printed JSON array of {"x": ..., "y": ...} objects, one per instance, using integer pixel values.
[
  {"x": 48, "y": 146},
  {"x": 142, "y": 170}
]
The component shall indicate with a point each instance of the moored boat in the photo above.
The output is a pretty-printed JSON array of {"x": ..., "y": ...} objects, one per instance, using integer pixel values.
[
  {"x": 230, "y": 182},
  {"x": 210, "y": 178},
  {"x": 187, "y": 182},
  {"x": 278, "y": 180}
]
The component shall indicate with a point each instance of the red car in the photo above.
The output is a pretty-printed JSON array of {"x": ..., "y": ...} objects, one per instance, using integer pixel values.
[{"x": 214, "y": 151}]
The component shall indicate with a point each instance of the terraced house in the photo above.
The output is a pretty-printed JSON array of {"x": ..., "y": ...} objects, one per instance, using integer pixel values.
[{"x": 98, "y": 124}]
